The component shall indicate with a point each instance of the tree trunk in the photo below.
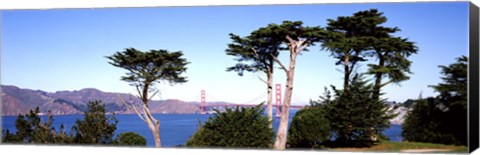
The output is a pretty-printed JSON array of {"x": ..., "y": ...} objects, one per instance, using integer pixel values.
[
  {"x": 346, "y": 72},
  {"x": 154, "y": 126},
  {"x": 281, "y": 139},
  {"x": 378, "y": 79},
  {"x": 376, "y": 91},
  {"x": 269, "y": 99},
  {"x": 152, "y": 123}
]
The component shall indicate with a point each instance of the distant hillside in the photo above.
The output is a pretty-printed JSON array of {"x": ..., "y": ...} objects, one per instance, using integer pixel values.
[{"x": 20, "y": 101}]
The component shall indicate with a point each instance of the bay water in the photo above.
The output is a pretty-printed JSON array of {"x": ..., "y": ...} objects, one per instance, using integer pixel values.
[{"x": 175, "y": 129}]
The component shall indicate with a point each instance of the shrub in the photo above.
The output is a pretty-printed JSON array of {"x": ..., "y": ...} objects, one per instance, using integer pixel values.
[
  {"x": 96, "y": 127},
  {"x": 239, "y": 127},
  {"x": 32, "y": 129},
  {"x": 442, "y": 119},
  {"x": 356, "y": 118},
  {"x": 131, "y": 138},
  {"x": 309, "y": 128}
]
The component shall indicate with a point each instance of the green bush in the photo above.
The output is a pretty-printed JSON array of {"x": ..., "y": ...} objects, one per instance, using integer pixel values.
[
  {"x": 239, "y": 127},
  {"x": 356, "y": 119},
  {"x": 309, "y": 128},
  {"x": 96, "y": 127},
  {"x": 32, "y": 129},
  {"x": 132, "y": 139},
  {"x": 442, "y": 119}
]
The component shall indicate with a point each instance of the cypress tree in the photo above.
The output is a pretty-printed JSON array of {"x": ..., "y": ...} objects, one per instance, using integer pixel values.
[
  {"x": 95, "y": 127},
  {"x": 309, "y": 128},
  {"x": 442, "y": 119},
  {"x": 238, "y": 127},
  {"x": 353, "y": 115}
]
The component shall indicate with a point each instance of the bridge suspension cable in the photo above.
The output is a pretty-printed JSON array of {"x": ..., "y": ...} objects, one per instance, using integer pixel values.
[
  {"x": 257, "y": 98},
  {"x": 278, "y": 101},
  {"x": 297, "y": 99}
]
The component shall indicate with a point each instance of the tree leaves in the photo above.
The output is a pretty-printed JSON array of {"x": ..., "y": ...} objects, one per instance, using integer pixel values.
[
  {"x": 442, "y": 119},
  {"x": 236, "y": 127},
  {"x": 96, "y": 127},
  {"x": 309, "y": 128},
  {"x": 149, "y": 67},
  {"x": 355, "y": 117}
]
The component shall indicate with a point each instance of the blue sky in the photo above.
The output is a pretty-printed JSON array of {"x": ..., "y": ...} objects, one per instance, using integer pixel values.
[{"x": 65, "y": 49}]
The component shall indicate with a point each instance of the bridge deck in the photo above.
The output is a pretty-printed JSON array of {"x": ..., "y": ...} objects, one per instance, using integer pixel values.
[{"x": 247, "y": 105}]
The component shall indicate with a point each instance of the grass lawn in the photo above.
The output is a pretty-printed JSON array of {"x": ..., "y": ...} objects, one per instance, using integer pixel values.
[{"x": 388, "y": 146}]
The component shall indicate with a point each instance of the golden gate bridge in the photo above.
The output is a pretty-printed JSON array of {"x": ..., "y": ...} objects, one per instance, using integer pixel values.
[{"x": 278, "y": 103}]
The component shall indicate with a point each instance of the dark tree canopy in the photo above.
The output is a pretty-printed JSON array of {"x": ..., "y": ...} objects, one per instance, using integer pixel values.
[
  {"x": 255, "y": 54},
  {"x": 309, "y": 128},
  {"x": 393, "y": 54},
  {"x": 442, "y": 119},
  {"x": 453, "y": 90},
  {"x": 353, "y": 39},
  {"x": 393, "y": 64},
  {"x": 252, "y": 54},
  {"x": 96, "y": 127},
  {"x": 293, "y": 29},
  {"x": 239, "y": 127},
  {"x": 424, "y": 123},
  {"x": 349, "y": 38},
  {"x": 149, "y": 67},
  {"x": 144, "y": 70},
  {"x": 352, "y": 34},
  {"x": 355, "y": 116},
  {"x": 31, "y": 129},
  {"x": 131, "y": 139}
]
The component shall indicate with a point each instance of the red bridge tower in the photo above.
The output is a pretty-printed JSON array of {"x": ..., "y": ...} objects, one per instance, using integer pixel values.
[
  {"x": 202, "y": 103},
  {"x": 278, "y": 99}
]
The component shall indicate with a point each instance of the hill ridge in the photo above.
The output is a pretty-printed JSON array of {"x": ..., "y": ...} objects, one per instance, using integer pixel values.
[{"x": 16, "y": 100}]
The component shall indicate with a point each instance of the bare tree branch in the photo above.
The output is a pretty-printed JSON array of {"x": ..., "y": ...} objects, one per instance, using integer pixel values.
[
  {"x": 280, "y": 63},
  {"x": 301, "y": 45},
  {"x": 262, "y": 80},
  {"x": 290, "y": 40},
  {"x": 386, "y": 83},
  {"x": 131, "y": 106},
  {"x": 255, "y": 53},
  {"x": 139, "y": 93},
  {"x": 153, "y": 95},
  {"x": 147, "y": 112}
]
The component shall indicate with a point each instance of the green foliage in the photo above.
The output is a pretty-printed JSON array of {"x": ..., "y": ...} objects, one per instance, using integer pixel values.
[
  {"x": 424, "y": 123},
  {"x": 442, "y": 119},
  {"x": 239, "y": 127},
  {"x": 356, "y": 117},
  {"x": 347, "y": 39},
  {"x": 256, "y": 51},
  {"x": 293, "y": 29},
  {"x": 408, "y": 103},
  {"x": 388, "y": 146},
  {"x": 352, "y": 39},
  {"x": 350, "y": 34},
  {"x": 453, "y": 92},
  {"x": 392, "y": 53},
  {"x": 8, "y": 137},
  {"x": 145, "y": 68},
  {"x": 31, "y": 129},
  {"x": 309, "y": 128},
  {"x": 248, "y": 60},
  {"x": 131, "y": 139},
  {"x": 96, "y": 127}
]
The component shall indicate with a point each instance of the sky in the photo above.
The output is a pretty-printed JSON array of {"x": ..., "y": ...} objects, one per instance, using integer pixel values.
[{"x": 64, "y": 49}]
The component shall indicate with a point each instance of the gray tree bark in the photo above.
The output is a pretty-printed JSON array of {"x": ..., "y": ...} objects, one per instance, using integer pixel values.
[
  {"x": 269, "y": 98},
  {"x": 295, "y": 48}
]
